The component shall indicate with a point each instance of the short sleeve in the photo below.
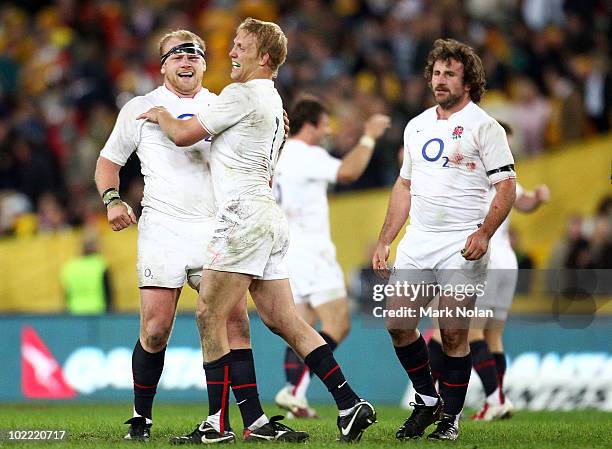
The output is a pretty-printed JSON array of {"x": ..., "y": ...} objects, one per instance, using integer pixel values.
[
  {"x": 406, "y": 170},
  {"x": 124, "y": 138},
  {"x": 321, "y": 166},
  {"x": 495, "y": 152},
  {"x": 231, "y": 106}
]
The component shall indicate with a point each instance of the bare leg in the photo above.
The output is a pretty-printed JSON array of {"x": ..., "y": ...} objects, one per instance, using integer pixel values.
[
  {"x": 335, "y": 318},
  {"x": 274, "y": 302},
  {"x": 218, "y": 297},
  {"x": 157, "y": 310}
]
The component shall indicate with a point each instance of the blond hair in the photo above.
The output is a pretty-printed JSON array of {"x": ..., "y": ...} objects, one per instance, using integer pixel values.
[
  {"x": 270, "y": 40},
  {"x": 183, "y": 35}
]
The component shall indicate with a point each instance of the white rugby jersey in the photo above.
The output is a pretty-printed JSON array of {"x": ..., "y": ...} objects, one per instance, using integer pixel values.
[
  {"x": 502, "y": 235},
  {"x": 448, "y": 161},
  {"x": 247, "y": 123},
  {"x": 177, "y": 180},
  {"x": 300, "y": 186}
]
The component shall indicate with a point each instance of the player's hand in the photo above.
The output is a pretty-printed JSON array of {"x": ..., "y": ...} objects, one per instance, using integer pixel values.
[
  {"x": 379, "y": 260},
  {"x": 476, "y": 246},
  {"x": 286, "y": 120},
  {"x": 120, "y": 216},
  {"x": 152, "y": 114},
  {"x": 376, "y": 125},
  {"x": 542, "y": 193}
]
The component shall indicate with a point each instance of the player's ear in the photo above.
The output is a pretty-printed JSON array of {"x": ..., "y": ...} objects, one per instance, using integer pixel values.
[
  {"x": 265, "y": 58},
  {"x": 163, "y": 69}
]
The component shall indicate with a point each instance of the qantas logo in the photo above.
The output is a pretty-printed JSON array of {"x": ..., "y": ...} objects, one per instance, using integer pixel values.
[{"x": 42, "y": 376}]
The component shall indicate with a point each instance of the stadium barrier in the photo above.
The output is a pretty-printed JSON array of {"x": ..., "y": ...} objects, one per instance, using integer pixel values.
[{"x": 552, "y": 365}]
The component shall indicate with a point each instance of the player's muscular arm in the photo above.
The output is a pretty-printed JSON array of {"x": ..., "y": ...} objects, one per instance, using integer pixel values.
[
  {"x": 182, "y": 132},
  {"x": 531, "y": 201},
  {"x": 477, "y": 243},
  {"x": 397, "y": 214},
  {"x": 118, "y": 213},
  {"x": 356, "y": 160}
]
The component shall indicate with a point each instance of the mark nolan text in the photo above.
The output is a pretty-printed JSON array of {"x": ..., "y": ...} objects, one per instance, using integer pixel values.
[{"x": 429, "y": 312}]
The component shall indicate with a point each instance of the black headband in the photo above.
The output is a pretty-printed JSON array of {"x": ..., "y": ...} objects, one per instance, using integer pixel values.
[{"x": 190, "y": 48}]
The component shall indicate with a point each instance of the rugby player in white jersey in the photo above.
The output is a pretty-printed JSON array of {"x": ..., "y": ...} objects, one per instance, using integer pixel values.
[
  {"x": 251, "y": 232},
  {"x": 176, "y": 222},
  {"x": 452, "y": 153},
  {"x": 485, "y": 336},
  {"x": 302, "y": 177}
]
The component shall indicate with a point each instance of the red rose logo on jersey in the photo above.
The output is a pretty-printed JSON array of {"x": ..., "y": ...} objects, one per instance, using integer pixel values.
[{"x": 457, "y": 132}]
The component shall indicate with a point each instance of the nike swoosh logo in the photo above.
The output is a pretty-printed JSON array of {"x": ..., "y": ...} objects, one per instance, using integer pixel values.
[
  {"x": 241, "y": 402},
  {"x": 342, "y": 384},
  {"x": 345, "y": 430}
]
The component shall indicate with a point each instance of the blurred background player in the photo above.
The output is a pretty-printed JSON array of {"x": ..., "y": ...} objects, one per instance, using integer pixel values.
[
  {"x": 485, "y": 336},
  {"x": 452, "y": 153},
  {"x": 303, "y": 174},
  {"x": 175, "y": 226},
  {"x": 251, "y": 234}
]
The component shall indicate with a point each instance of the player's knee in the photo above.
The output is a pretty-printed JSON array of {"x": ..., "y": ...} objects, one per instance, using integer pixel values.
[
  {"x": 402, "y": 337},
  {"x": 156, "y": 339},
  {"x": 238, "y": 329},
  {"x": 453, "y": 339},
  {"x": 204, "y": 313}
]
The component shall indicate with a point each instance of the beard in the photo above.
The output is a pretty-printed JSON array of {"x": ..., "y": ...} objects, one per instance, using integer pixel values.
[{"x": 450, "y": 101}]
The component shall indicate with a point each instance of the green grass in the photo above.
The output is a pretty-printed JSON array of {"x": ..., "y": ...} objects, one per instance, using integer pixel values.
[{"x": 100, "y": 426}]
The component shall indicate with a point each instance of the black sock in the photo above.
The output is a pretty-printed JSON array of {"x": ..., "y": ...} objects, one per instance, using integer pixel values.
[
  {"x": 321, "y": 362},
  {"x": 294, "y": 367},
  {"x": 500, "y": 364},
  {"x": 484, "y": 365},
  {"x": 218, "y": 384},
  {"x": 415, "y": 360},
  {"x": 333, "y": 344},
  {"x": 455, "y": 379},
  {"x": 147, "y": 368},
  {"x": 436, "y": 359},
  {"x": 244, "y": 385}
]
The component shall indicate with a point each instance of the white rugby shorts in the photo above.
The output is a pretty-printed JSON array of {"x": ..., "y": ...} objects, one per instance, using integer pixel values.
[
  {"x": 501, "y": 281},
  {"x": 314, "y": 273},
  {"x": 250, "y": 237},
  {"x": 435, "y": 257},
  {"x": 170, "y": 249}
]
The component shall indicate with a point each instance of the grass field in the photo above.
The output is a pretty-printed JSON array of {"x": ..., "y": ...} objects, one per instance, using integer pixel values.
[{"x": 100, "y": 426}]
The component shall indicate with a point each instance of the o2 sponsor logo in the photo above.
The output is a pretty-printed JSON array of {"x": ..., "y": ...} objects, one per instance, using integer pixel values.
[
  {"x": 429, "y": 155},
  {"x": 187, "y": 116}
]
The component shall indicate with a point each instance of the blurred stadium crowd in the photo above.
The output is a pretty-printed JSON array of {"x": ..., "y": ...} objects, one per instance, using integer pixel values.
[{"x": 67, "y": 66}]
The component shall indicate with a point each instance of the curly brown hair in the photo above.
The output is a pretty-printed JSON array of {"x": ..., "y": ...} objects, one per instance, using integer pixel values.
[{"x": 473, "y": 71}]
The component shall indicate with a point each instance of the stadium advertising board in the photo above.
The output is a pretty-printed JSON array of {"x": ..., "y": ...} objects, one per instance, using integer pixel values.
[{"x": 551, "y": 366}]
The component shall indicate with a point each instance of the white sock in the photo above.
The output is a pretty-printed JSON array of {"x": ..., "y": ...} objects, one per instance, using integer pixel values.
[
  {"x": 457, "y": 420},
  {"x": 346, "y": 411},
  {"x": 136, "y": 415},
  {"x": 301, "y": 388},
  {"x": 261, "y": 421},
  {"x": 494, "y": 398},
  {"x": 215, "y": 421},
  {"x": 428, "y": 400}
]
